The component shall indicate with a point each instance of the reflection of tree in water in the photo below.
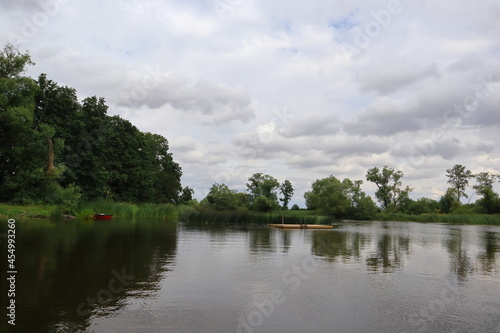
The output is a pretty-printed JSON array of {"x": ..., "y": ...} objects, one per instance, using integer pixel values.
[
  {"x": 460, "y": 261},
  {"x": 67, "y": 269},
  {"x": 339, "y": 244},
  {"x": 347, "y": 246},
  {"x": 390, "y": 249},
  {"x": 286, "y": 240},
  {"x": 487, "y": 258},
  {"x": 262, "y": 240}
]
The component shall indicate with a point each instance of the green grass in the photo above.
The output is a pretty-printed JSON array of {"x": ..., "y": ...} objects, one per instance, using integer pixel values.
[
  {"x": 442, "y": 218},
  {"x": 157, "y": 210},
  {"x": 17, "y": 211},
  {"x": 190, "y": 214},
  {"x": 289, "y": 217},
  {"x": 123, "y": 209}
]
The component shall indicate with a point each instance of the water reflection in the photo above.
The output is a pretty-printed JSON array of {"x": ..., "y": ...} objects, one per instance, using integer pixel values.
[
  {"x": 460, "y": 260},
  {"x": 487, "y": 257},
  {"x": 202, "y": 277},
  {"x": 385, "y": 249},
  {"x": 69, "y": 272},
  {"x": 341, "y": 245},
  {"x": 388, "y": 256}
]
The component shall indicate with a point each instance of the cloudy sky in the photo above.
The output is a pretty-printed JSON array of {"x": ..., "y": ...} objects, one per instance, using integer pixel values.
[{"x": 299, "y": 90}]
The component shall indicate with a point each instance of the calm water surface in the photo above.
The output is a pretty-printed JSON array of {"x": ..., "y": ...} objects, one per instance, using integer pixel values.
[{"x": 163, "y": 276}]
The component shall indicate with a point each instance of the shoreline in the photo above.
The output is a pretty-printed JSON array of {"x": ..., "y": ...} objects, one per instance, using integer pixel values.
[{"x": 191, "y": 214}]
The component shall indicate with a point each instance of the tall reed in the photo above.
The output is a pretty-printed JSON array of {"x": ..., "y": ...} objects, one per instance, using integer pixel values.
[{"x": 213, "y": 216}]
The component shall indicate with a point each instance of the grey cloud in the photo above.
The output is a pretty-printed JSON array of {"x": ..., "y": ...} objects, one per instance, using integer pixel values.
[
  {"x": 24, "y": 5},
  {"x": 312, "y": 126},
  {"x": 383, "y": 123},
  {"x": 418, "y": 152},
  {"x": 357, "y": 145},
  {"x": 470, "y": 61},
  {"x": 392, "y": 78},
  {"x": 219, "y": 102},
  {"x": 487, "y": 114}
]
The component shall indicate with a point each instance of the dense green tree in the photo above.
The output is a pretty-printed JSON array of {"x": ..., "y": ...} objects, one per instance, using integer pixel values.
[
  {"x": 54, "y": 149},
  {"x": 166, "y": 173},
  {"x": 490, "y": 201},
  {"x": 295, "y": 207},
  {"x": 362, "y": 206},
  {"x": 262, "y": 185},
  {"x": 389, "y": 186},
  {"x": 485, "y": 181},
  {"x": 448, "y": 202},
  {"x": 339, "y": 198},
  {"x": 221, "y": 197},
  {"x": 12, "y": 62},
  {"x": 287, "y": 191},
  {"x": 19, "y": 153},
  {"x": 264, "y": 204},
  {"x": 458, "y": 178},
  {"x": 30, "y": 150},
  {"x": 186, "y": 195},
  {"x": 423, "y": 206}
]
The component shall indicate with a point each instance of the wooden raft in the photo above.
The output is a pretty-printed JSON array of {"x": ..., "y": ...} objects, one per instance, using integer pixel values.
[{"x": 301, "y": 226}]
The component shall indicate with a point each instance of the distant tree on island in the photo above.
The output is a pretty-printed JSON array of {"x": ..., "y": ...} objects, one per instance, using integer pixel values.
[
  {"x": 342, "y": 199},
  {"x": 221, "y": 197},
  {"x": 389, "y": 187},
  {"x": 287, "y": 191},
  {"x": 490, "y": 200},
  {"x": 263, "y": 192},
  {"x": 458, "y": 178}
]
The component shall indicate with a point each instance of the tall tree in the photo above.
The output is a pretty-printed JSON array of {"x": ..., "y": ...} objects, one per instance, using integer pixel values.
[
  {"x": 458, "y": 178},
  {"x": 186, "y": 195},
  {"x": 16, "y": 115},
  {"x": 362, "y": 206},
  {"x": 388, "y": 181},
  {"x": 263, "y": 185},
  {"x": 485, "y": 181},
  {"x": 166, "y": 173},
  {"x": 490, "y": 200},
  {"x": 330, "y": 195},
  {"x": 221, "y": 197},
  {"x": 287, "y": 191},
  {"x": 29, "y": 171}
]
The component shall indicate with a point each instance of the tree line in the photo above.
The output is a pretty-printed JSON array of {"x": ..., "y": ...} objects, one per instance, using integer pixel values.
[
  {"x": 345, "y": 198},
  {"x": 57, "y": 150}
]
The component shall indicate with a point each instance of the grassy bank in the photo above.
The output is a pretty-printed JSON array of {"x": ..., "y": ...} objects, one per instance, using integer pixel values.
[
  {"x": 189, "y": 214},
  {"x": 14, "y": 211},
  {"x": 442, "y": 218},
  {"x": 313, "y": 217},
  {"x": 87, "y": 210},
  {"x": 123, "y": 209}
]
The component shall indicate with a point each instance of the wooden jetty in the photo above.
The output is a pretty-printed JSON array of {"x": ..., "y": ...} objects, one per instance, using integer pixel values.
[{"x": 301, "y": 226}]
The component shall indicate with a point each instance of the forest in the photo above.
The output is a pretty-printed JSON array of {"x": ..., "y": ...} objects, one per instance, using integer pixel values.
[{"x": 56, "y": 150}]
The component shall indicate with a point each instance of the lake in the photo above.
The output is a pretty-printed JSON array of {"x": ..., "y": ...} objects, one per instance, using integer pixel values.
[{"x": 163, "y": 276}]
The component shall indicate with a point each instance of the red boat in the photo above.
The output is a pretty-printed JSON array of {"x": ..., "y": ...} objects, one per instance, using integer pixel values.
[{"x": 102, "y": 216}]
